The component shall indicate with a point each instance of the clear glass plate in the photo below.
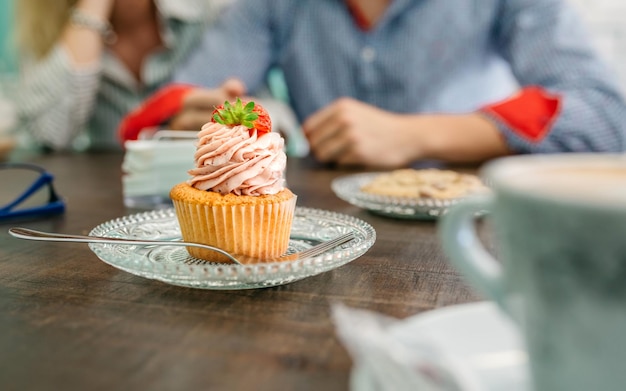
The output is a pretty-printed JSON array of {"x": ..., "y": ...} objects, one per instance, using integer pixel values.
[
  {"x": 348, "y": 188},
  {"x": 173, "y": 264}
]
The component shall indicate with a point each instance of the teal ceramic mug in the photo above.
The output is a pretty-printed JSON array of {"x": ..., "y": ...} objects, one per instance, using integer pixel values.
[{"x": 559, "y": 263}]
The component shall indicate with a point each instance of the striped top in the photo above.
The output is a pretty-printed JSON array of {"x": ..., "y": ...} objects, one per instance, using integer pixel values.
[
  {"x": 424, "y": 56},
  {"x": 61, "y": 107}
]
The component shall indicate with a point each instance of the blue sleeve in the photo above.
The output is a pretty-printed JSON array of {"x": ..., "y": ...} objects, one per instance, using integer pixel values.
[
  {"x": 239, "y": 44},
  {"x": 547, "y": 45}
]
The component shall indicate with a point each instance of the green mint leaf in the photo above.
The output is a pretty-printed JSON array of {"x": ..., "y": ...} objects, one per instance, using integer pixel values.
[
  {"x": 218, "y": 119},
  {"x": 249, "y": 106}
]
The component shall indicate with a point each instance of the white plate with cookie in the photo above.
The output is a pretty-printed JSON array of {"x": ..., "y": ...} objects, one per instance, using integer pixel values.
[{"x": 423, "y": 194}]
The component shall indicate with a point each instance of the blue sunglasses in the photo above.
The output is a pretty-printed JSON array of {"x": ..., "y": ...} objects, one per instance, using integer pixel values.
[{"x": 15, "y": 208}]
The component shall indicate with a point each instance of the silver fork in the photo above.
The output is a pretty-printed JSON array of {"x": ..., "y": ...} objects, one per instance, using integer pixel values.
[{"x": 30, "y": 234}]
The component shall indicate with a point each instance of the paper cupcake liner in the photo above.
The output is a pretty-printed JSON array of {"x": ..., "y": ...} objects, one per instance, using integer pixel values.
[{"x": 259, "y": 230}]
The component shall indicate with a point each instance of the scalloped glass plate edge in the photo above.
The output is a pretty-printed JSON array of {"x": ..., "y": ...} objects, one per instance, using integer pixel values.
[
  {"x": 348, "y": 187},
  {"x": 174, "y": 266}
]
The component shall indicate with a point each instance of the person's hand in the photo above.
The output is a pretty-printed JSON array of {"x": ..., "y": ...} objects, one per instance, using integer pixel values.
[
  {"x": 84, "y": 44},
  {"x": 350, "y": 132},
  {"x": 199, "y": 104}
]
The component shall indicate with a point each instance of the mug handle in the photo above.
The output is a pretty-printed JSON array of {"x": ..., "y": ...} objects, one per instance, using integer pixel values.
[{"x": 461, "y": 244}]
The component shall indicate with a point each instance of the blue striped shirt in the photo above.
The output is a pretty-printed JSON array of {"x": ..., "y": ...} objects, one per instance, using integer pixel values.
[{"x": 423, "y": 56}]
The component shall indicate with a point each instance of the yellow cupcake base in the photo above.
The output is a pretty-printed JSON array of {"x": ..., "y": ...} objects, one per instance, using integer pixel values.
[{"x": 257, "y": 226}]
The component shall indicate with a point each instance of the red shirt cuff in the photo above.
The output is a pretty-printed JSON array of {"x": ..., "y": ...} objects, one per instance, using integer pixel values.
[
  {"x": 529, "y": 114},
  {"x": 155, "y": 110}
]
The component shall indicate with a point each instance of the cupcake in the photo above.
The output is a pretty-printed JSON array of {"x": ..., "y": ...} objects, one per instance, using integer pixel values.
[{"x": 236, "y": 198}]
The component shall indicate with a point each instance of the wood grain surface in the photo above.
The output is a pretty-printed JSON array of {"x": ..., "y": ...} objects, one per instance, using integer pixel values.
[{"x": 71, "y": 322}]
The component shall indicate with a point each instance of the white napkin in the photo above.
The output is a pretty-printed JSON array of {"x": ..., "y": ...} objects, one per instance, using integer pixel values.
[
  {"x": 470, "y": 347},
  {"x": 152, "y": 167}
]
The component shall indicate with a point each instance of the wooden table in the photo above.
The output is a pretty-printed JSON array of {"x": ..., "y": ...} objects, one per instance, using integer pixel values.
[{"x": 69, "y": 321}]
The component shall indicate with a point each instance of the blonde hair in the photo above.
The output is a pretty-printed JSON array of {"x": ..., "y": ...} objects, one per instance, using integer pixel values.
[{"x": 39, "y": 24}]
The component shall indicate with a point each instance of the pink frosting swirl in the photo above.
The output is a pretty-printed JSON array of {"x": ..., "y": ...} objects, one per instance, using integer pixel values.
[{"x": 229, "y": 160}]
